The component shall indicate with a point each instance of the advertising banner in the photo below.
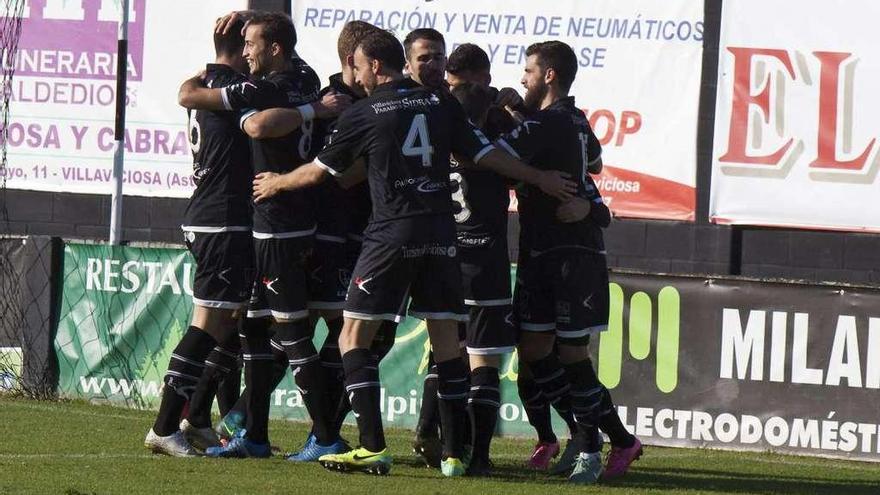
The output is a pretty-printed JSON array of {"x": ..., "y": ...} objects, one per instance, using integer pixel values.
[
  {"x": 123, "y": 310},
  {"x": 743, "y": 365},
  {"x": 795, "y": 128},
  {"x": 638, "y": 79},
  {"x": 63, "y": 94},
  {"x": 690, "y": 362}
]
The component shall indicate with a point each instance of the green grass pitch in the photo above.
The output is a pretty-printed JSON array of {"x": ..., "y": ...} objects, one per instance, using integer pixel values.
[{"x": 74, "y": 448}]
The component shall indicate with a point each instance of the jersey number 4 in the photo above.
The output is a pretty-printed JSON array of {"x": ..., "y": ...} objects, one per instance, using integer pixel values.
[{"x": 417, "y": 142}]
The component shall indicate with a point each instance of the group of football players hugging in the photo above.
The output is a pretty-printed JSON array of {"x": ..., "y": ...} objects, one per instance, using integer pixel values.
[{"x": 381, "y": 195}]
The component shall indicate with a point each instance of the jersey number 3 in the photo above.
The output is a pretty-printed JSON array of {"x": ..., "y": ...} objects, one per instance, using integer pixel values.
[{"x": 417, "y": 142}]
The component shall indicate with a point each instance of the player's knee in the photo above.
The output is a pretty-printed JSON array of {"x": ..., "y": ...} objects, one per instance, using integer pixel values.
[
  {"x": 296, "y": 339},
  {"x": 478, "y": 361},
  {"x": 573, "y": 349},
  {"x": 216, "y": 322},
  {"x": 534, "y": 347}
]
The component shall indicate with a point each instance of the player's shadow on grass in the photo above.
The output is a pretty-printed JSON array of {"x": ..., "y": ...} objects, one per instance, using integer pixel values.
[{"x": 736, "y": 482}]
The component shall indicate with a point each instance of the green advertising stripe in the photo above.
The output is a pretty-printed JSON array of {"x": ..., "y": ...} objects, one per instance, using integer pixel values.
[
  {"x": 668, "y": 329},
  {"x": 640, "y": 325},
  {"x": 611, "y": 341}
]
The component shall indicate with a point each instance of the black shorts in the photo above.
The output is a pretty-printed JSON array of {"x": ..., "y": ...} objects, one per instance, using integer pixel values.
[
  {"x": 224, "y": 268},
  {"x": 281, "y": 281},
  {"x": 413, "y": 257},
  {"x": 490, "y": 330},
  {"x": 329, "y": 273},
  {"x": 565, "y": 291},
  {"x": 485, "y": 270}
]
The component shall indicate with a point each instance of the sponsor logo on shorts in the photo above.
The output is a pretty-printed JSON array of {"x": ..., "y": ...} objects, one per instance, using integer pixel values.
[
  {"x": 428, "y": 250},
  {"x": 588, "y": 302},
  {"x": 270, "y": 284},
  {"x": 315, "y": 274},
  {"x": 508, "y": 319},
  {"x": 361, "y": 283},
  {"x": 222, "y": 276}
]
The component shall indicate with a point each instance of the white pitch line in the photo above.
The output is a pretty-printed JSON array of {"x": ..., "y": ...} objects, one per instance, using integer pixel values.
[
  {"x": 836, "y": 463},
  {"x": 58, "y": 409},
  {"x": 75, "y": 456}
]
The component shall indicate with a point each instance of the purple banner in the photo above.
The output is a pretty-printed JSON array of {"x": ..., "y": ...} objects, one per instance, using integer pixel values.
[{"x": 77, "y": 39}]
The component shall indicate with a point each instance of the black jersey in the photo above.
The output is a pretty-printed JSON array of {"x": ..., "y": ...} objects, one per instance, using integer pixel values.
[
  {"x": 336, "y": 209},
  {"x": 405, "y": 132},
  {"x": 221, "y": 164},
  {"x": 482, "y": 197},
  {"x": 289, "y": 212},
  {"x": 358, "y": 204},
  {"x": 557, "y": 138}
]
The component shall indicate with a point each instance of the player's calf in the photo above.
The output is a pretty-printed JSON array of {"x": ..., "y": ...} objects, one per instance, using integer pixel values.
[
  {"x": 484, "y": 400},
  {"x": 184, "y": 369},
  {"x": 362, "y": 387},
  {"x": 220, "y": 363},
  {"x": 452, "y": 392},
  {"x": 308, "y": 374}
]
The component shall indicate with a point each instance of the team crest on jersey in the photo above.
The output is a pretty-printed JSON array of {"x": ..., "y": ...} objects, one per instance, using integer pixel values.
[{"x": 563, "y": 312}]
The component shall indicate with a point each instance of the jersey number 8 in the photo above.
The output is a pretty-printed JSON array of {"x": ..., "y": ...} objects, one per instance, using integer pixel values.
[{"x": 305, "y": 142}]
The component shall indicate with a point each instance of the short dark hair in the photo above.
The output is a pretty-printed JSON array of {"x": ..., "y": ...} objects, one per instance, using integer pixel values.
[
  {"x": 422, "y": 34},
  {"x": 232, "y": 42},
  {"x": 474, "y": 98},
  {"x": 467, "y": 57},
  {"x": 558, "y": 56},
  {"x": 384, "y": 47},
  {"x": 351, "y": 35},
  {"x": 277, "y": 28}
]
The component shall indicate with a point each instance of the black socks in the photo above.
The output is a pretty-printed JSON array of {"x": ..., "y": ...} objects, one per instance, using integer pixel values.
[
  {"x": 362, "y": 387},
  {"x": 184, "y": 371},
  {"x": 484, "y": 400}
]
